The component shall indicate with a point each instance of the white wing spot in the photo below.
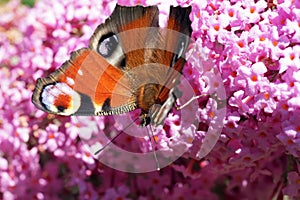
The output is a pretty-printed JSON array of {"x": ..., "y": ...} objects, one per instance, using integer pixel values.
[
  {"x": 80, "y": 72},
  {"x": 70, "y": 81}
]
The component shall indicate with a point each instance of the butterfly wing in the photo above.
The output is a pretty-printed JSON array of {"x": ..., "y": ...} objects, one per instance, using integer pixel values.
[
  {"x": 178, "y": 34},
  {"x": 129, "y": 27},
  {"x": 156, "y": 61},
  {"x": 77, "y": 88},
  {"x": 177, "y": 38},
  {"x": 102, "y": 80},
  {"x": 95, "y": 81}
]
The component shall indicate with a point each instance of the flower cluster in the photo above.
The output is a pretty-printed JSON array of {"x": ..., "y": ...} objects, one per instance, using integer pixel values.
[{"x": 253, "y": 47}]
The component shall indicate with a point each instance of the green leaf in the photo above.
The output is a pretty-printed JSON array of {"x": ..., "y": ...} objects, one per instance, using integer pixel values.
[
  {"x": 3, "y": 1},
  {"x": 29, "y": 3}
]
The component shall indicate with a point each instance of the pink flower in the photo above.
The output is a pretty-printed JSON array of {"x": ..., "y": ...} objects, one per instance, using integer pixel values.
[
  {"x": 120, "y": 192},
  {"x": 292, "y": 188},
  {"x": 51, "y": 138},
  {"x": 252, "y": 12}
]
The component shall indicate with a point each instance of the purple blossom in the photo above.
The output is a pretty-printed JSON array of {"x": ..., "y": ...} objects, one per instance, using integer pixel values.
[
  {"x": 292, "y": 188},
  {"x": 253, "y": 46}
]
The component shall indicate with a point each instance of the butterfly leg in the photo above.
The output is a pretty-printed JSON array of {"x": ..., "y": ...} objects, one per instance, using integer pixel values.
[
  {"x": 189, "y": 101},
  {"x": 158, "y": 113},
  {"x": 145, "y": 120}
]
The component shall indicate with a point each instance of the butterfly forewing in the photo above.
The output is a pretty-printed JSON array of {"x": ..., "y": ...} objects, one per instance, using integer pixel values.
[{"x": 128, "y": 26}]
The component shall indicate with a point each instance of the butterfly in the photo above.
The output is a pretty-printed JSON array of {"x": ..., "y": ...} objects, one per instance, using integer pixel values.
[{"x": 131, "y": 63}]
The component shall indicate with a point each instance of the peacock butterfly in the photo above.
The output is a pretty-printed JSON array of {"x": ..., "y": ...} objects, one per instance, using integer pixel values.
[{"x": 130, "y": 63}]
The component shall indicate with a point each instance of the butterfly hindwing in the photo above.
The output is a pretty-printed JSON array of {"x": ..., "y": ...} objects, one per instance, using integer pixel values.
[{"x": 75, "y": 89}]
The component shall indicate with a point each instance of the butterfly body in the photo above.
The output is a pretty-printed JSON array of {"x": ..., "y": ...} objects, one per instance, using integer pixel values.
[{"x": 130, "y": 63}]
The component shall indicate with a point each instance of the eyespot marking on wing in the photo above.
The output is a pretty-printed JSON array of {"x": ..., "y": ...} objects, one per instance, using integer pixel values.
[
  {"x": 60, "y": 98},
  {"x": 108, "y": 44}
]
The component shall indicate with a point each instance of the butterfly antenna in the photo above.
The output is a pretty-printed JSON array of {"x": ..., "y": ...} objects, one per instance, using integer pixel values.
[
  {"x": 153, "y": 150},
  {"x": 112, "y": 140},
  {"x": 152, "y": 131}
]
